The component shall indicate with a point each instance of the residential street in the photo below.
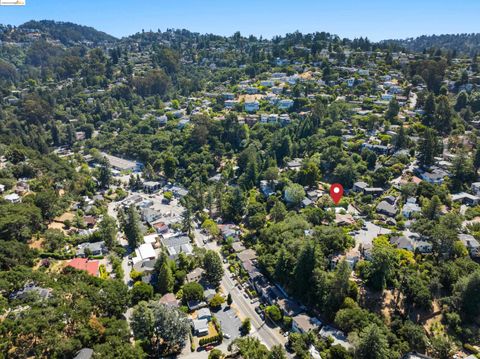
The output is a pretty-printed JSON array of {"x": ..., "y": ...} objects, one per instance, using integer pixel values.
[{"x": 269, "y": 336}]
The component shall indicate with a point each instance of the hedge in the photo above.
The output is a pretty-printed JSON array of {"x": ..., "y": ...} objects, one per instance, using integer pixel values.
[{"x": 216, "y": 339}]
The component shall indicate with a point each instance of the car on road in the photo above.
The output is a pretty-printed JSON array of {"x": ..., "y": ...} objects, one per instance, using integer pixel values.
[
  {"x": 209, "y": 347},
  {"x": 286, "y": 334},
  {"x": 226, "y": 335}
]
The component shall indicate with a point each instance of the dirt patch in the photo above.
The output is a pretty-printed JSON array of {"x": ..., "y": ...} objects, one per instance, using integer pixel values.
[
  {"x": 250, "y": 98},
  {"x": 36, "y": 244},
  {"x": 67, "y": 216}
]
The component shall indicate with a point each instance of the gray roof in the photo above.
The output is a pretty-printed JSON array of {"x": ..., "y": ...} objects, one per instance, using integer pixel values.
[
  {"x": 85, "y": 353},
  {"x": 386, "y": 208}
]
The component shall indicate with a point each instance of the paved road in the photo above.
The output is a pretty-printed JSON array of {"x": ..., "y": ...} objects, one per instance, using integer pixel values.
[{"x": 269, "y": 336}]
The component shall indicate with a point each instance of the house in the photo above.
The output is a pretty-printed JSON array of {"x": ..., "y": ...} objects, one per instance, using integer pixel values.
[
  {"x": 195, "y": 275},
  {"x": 247, "y": 255},
  {"x": 94, "y": 249},
  {"x": 476, "y": 188},
  {"x": 465, "y": 198},
  {"x": 160, "y": 227},
  {"x": 121, "y": 164},
  {"x": 229, "y": 231},
  {"x": 472, "y": 245},
  {"x": 285, "y": 104},
  {"x": 151, "y": 186},
  {"x": 338, "y": 337},
  {"x": 378, "y": 149},
  {"x": 359, "y": 186},
  {"x": 177, "y": 244},
  {"x": 91, "y": 267},
  {"x": 373, "y": 191},
  {"x": 344, "y": 219},
  {"x": 31, "y": 289},
  {"x": 415, "y": 355},
  {"x": 169, "y": 299},
  {"x": 204, "y": 313},
  {"x": 294, "y": 164},
  {"x": 145, "y": 252},
  {"x": 252, "y": 106},
  {"x": 195, "y": 305},
  {"x": 434, "y": 176},
  {"x": 314, "y": 195},
  {"x": 145, "y": 266},
  {"x": 306, "y": 202},
  {"x": 314, "y": 353},
  {"x": 238, "y": 247},
  {"x": 289, "y": 307},
  {"x": 209, "y": 293},
  {"x": 13, "y": 198},
  {"x": 410, "y": 208},
  {"x": 200, "y": 327},
  {"x": 386, "y": 209},
  {"x": 267, "y": 187},
  {"x": 85, "y": 353},
  {"x": 90, "y": 221},
  {"x": 302, "y": 323},
  {"x": 150, "y": 215},
  {"x": 2, "y": 188}
]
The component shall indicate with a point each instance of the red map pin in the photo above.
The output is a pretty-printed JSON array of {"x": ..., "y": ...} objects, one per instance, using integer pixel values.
[{"x": 336, "y": 192}]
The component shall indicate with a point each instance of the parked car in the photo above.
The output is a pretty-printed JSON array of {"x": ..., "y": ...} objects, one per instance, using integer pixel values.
[{"x": 209, "y": 347}]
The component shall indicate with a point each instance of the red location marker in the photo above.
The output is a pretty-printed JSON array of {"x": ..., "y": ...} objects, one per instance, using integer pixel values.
[{"x": 336, "y": 192}]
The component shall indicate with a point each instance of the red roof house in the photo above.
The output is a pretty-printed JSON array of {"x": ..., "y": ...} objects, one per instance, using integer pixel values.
[{"x": 84, "y": 264}]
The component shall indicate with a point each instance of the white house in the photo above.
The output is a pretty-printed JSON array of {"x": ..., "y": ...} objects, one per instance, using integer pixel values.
[
  {"x": 145, "y": 251},
  {"x": 13, "y": 198}
]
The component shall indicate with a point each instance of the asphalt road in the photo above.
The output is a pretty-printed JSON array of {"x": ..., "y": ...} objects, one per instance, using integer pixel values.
[{"x": 269, "y": 336}]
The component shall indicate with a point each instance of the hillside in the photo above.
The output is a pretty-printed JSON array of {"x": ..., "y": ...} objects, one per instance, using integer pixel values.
[
  {"x": 461, "y": 43},
  {"x": 67, "y": 32}
]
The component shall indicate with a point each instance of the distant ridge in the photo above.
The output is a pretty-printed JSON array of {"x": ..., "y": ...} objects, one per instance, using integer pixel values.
[
  {"x": 67, "y": 32},
  {"x": 462, "y": 43}
]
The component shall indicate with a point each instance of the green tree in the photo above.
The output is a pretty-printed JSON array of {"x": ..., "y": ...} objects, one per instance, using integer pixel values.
[
  {"x": 246, "y": 326},
  {"x": 141, "y": 292},
  {"x": 274, "y": 313},
  {"x": 294, "y": 194},
  {"x": 165, "y": 328},
  {"x": 213, "y": 268},
  {"x": 107, "y": 231},
  {"x": 428, "y": 148},
  {"x": 132, "y": 227},
  {"x": 192, "y": 291},
  {"x": 165, "y": 279},
  {"x": 373, "y": 344}
]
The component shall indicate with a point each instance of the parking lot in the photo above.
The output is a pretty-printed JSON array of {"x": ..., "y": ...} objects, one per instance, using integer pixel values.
[{"x": 229, "y": 321}]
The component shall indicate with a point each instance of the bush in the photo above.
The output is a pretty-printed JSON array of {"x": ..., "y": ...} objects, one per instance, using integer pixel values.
[{"x": 215, "y": 339}]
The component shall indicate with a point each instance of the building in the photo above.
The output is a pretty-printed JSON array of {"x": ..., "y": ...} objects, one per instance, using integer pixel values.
[
  {"x": 151, "y": 186},
  {"x": 122, "y": 164},
  {"x": 302, "y": 323},
  {"x": 204, "y": 313},
  {"x": 195, "y": 275},
  {"x": 31, "y": 289},
  {"x": 466, "y": 198},
  {"x": 338, "y": 337},
  {"x": 386, "y": 209},
  {"x": 285, "y": 104},
  {"x": 252, "y": 106},
  {"x": 85, "y": 353},
  {"x": 176, "y": 245},
  {"x": 169, "y": 299},
  {"x": 13, "y": 198},
  {"x": 93, "y": 249},
  {"x": 247, "y": 255},
  {"x": 410, "y": 208},
  {"x": 472, "y": 245},
  {"x": 150, "y": 215},
  {"x": 200, "y": 327},
  {"x": 145, "y": 252},
  {"x": 91, "y": 267}
]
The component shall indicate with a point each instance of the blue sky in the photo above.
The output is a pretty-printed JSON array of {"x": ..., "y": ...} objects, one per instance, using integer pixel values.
[{"x": 348, "y": 18}]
